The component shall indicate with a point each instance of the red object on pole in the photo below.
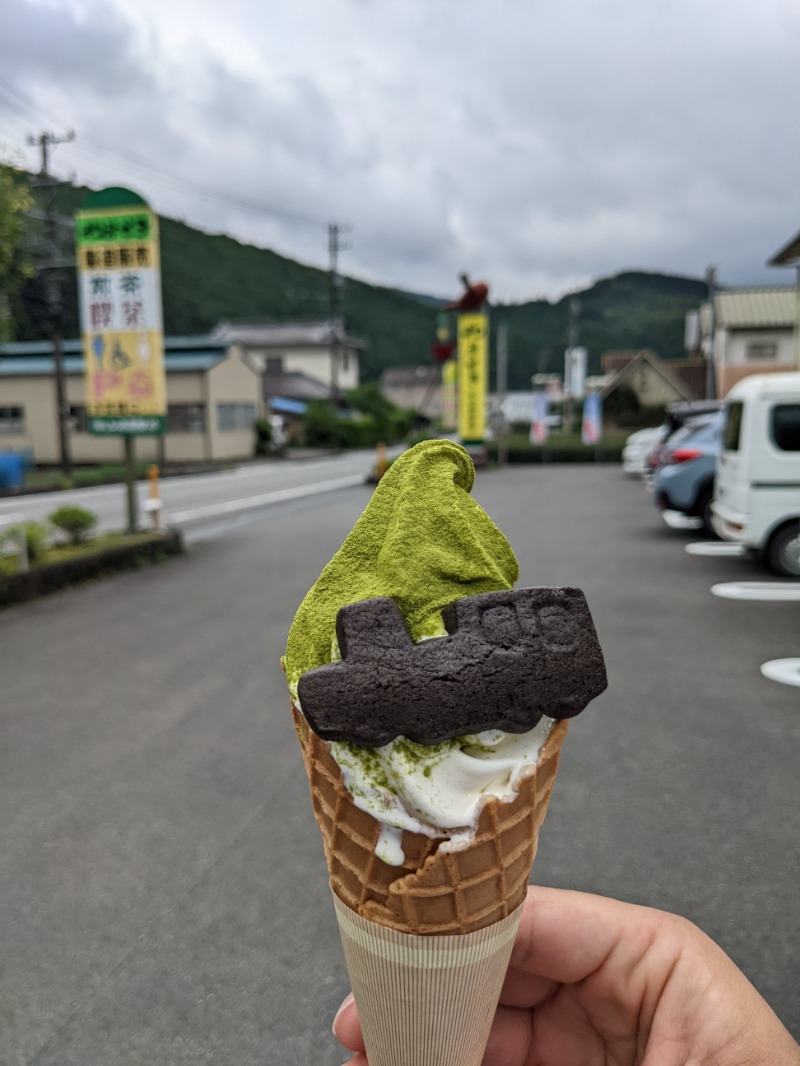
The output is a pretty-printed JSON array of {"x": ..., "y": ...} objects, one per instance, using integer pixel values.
[
  {"x": 475, "y": 296},
  {"x": 442, "y": 352}
]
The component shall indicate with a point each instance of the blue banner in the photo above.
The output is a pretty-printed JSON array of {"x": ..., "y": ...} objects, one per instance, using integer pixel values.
[
  {"x": 539, "y": 422},
  {"x": 592, "y": 426}
]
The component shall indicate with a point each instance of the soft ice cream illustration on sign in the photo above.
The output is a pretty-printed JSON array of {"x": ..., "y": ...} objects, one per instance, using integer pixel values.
[{"x": 431, "y": 699}]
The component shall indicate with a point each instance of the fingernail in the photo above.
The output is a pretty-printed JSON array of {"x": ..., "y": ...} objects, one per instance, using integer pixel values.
[{"x": 346, "y": 1002}]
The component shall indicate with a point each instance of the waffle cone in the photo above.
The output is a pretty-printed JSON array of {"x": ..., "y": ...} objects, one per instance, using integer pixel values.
[{"x": 434, "y": 891}]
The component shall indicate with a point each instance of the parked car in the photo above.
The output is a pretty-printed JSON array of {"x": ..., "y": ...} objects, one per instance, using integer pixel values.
[
  {"x": 637, "y": 448},
  {"x": 676, "y": 415},
  {"x": 684, "y": 480},
  {"x": 757, "y": 495}
]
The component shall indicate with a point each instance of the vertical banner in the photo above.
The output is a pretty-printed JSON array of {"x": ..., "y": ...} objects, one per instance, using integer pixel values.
[
  {"x": 539, "y": 421},
  {"x": 119, "y": 290},
  {"x": 592, "y": 425},
  {"x": 575, "y": 371},
  {"x": 473, "y": 371},
  {"x": 449, "y": 400}
]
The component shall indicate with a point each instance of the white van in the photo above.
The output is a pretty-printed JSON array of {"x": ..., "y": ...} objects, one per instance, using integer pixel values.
[{"x": 757, "y": 485}]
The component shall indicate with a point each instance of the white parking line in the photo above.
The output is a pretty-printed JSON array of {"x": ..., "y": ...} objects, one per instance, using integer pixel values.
[
  {"x": 765, "y": 591},
  {"x": 248, "y": 503},
  {"x": 786, "y": 671},
  {"x": 677, "y": 520},
  {"x": 701, "y": 547}
]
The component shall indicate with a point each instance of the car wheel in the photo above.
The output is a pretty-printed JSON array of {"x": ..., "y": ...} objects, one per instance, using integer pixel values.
[
  {"x": 783, "y": 551},
  {"x": 703, "y": 510}
]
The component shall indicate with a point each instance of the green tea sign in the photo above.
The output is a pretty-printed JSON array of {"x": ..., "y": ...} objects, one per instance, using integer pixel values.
[{"x": 119, "y": 284}]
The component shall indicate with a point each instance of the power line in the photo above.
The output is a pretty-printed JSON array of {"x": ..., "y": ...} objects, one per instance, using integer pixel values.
[{"x": 103, "y": 153}]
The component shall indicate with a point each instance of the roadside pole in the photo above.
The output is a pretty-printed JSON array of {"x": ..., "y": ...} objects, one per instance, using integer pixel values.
[{"x": 130, "y": 483}]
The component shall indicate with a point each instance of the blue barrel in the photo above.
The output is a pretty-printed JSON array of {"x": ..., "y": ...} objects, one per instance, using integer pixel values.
[{"x": 12, "y": 470}]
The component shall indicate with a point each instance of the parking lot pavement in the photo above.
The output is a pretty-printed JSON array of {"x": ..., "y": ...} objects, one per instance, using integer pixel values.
[{"x": 164, "y": 886}]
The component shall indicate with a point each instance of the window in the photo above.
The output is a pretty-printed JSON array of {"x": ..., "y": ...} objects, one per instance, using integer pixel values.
[
  {"x": 12, "y": 419},
  {"x": 232, "y": 416},
  {"x": 274, "y": 364},
  {"x": 186, "y": 418},
  {"x": 762, "y": 351},
  {"x": 785, "y": 426},
  {"x": 733, "y": 427}
]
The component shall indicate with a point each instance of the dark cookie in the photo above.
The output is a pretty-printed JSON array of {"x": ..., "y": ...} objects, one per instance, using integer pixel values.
[{"x": 509, "y": 658}]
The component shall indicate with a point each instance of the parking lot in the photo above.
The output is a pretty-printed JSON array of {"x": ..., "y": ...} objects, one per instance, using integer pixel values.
[{"x": 164, "y": 883}]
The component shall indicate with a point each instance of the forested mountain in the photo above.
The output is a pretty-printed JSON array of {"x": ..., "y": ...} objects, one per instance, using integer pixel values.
[{"x": 208, "y": 278}]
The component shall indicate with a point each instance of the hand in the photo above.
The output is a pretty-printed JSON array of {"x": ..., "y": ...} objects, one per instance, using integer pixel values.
[{"x": 595, "y": 982}]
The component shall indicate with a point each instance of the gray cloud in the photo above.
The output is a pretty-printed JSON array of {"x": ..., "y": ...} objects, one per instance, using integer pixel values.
[{"x": 537, "y": 145}]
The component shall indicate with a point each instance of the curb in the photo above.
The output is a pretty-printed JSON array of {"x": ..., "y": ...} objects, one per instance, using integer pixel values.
[{"x": 42, "y": 580}]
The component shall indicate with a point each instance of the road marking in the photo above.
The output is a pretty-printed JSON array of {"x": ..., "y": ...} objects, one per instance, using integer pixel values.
[
  {"x": 700, "y": 547},
  {"x": 765, "y": 591},
  {"x": 676, "y": 520},
  {"x": 787, "y": 671},
  {"x": 250, "y": 502}
]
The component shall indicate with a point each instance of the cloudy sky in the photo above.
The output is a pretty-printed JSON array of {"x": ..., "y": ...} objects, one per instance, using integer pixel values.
[{"x": 535, "y": 144}]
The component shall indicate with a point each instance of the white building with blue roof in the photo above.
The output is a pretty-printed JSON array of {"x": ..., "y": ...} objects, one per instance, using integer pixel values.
[{"x": 214, "y": 394}]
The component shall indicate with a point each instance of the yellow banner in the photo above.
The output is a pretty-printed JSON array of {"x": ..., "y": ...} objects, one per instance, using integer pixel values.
[
  {"x": 449, "y": 397},
  {"x": 473, "y": 371}
]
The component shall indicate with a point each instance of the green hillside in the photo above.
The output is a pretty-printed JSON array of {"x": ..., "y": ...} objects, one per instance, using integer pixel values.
[{"x": 209, "y": 278}]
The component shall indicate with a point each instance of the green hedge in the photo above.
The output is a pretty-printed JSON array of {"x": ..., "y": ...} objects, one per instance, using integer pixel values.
[
  {"x": 50, "y": 577},
  {"x": 557, "y": 452}
]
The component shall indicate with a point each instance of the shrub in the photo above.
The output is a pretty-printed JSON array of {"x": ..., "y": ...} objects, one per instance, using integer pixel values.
[
  {"x": 75, "y": 521},
  {"x": 36, "y": 538},
  {"x": 263, "y": 432}
]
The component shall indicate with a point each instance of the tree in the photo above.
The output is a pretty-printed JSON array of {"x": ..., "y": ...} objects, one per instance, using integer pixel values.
[{"x": 15, "y": 201}]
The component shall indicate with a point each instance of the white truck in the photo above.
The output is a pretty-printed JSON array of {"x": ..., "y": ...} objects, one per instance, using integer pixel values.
[{"x": 757, "y": 485}]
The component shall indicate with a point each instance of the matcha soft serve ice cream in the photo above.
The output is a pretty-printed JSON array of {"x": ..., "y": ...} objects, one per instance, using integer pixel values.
[
  {"x": 430, "y": 698},
  {"x": 422, "y": 545},
  {"x": 424, "y": 542}
]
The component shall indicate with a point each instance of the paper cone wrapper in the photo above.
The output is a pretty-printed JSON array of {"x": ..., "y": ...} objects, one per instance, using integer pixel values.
[{"x": 425, "y": 1000}]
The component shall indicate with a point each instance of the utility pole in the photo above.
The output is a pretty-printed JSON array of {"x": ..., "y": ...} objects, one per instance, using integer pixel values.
[
  {"x": 334, "y": 303},
  {"x": 502, "y": 388},
  {"x": 51, "y": 264},
  {"x": 711, "y": 372}
]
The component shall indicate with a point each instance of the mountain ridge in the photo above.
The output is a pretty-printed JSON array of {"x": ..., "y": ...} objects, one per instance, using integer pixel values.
[{"x": 208, "y": 278}]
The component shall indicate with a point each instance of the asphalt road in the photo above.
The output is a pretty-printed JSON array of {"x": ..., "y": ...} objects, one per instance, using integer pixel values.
[
  {"x": 209, "y": 502},
  {"x": 163, "y": 887}
]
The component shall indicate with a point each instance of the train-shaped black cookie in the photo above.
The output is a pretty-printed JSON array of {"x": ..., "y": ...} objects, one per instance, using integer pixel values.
[{"x": 508, "y": 658}]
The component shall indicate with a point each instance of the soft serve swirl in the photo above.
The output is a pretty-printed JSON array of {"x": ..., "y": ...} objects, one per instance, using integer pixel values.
[{"x": 425, "y": 542}]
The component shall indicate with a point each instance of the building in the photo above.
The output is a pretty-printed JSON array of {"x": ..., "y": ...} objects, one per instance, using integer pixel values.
[
  {"x": 415, "y": 388},
  {"x": 747, "y": 331},
  {"x": 217, "y": 386},
  {"x": 321, "y": 351},
  {"x": 213, "y": 397},
  {"x": 653, "y": 381}
]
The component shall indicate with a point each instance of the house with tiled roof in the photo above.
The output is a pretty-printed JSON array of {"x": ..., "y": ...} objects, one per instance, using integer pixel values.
[
  {"x": 746, "y": 331},
  {"x": 654, "y": 382}
]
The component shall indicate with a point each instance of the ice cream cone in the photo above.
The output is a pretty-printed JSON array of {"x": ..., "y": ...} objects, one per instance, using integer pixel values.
[
  {"x": 435, "y": 891},
  {"x": 427, "y": 943}
]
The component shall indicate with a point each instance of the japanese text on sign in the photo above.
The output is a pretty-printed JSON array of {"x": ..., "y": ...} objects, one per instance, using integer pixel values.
[
  {"x": 117, "y": 227},
  {"x": 473, "y": 353}
]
